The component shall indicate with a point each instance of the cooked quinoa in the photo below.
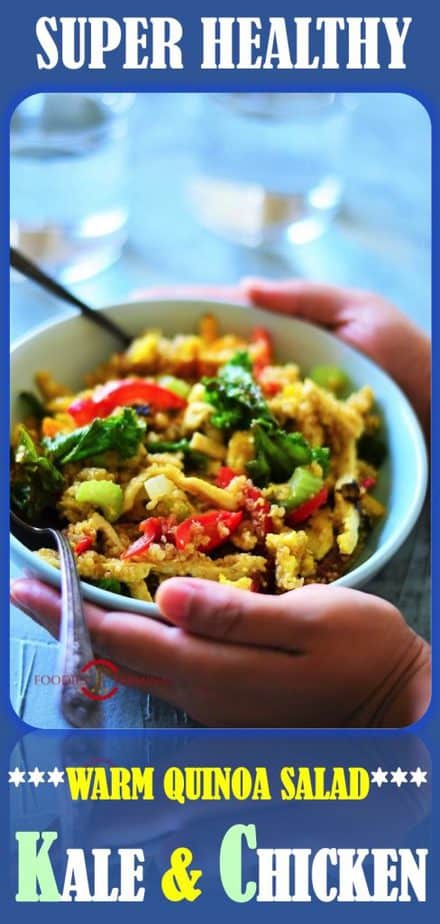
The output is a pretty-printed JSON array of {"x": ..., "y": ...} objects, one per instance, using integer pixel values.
[{"x": 199, "y": 455}]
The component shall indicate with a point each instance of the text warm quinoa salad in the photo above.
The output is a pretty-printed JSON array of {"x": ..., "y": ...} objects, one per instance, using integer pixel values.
[{"x": 199, "y": 455}]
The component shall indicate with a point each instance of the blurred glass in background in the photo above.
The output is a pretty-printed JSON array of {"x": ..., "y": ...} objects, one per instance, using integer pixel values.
[
  {"x": 269, "y": 164},
  {"x": 270, "y": 171},
  {"x": 69, "y": 177}
]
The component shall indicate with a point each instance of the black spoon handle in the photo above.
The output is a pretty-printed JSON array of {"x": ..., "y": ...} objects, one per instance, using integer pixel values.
[
  {"x": 79, "y": 703},
  {"x": 29, "y": 269}
]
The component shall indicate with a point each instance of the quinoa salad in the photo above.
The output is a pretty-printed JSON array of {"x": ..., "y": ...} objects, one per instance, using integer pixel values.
[{"x": 200, "y": 455}]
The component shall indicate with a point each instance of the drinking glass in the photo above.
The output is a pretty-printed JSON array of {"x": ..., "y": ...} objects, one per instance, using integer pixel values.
[
  {"x": 69, "y": 180},
  {"x": 269, "y": 164}
]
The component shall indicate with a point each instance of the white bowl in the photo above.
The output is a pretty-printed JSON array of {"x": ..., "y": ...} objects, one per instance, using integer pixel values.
[{"x": 71, "y": 347}]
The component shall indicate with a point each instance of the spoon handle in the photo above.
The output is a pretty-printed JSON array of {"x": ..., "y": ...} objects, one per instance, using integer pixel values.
[
  {"x": 30, "y": 269},
  {"x": 78, "y": 703}
]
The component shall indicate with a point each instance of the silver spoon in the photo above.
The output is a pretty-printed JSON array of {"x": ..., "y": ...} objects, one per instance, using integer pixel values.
[
  {"x": 27, "y": 268},
  {"x": 78, "y": 705}
]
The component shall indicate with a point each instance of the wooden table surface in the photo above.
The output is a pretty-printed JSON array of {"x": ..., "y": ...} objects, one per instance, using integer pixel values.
[{"x": 380, "y": 241}]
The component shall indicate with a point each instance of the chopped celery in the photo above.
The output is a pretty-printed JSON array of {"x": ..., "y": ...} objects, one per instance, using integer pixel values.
[
  {"x": 302, "y": 486},
  {"x": 178, "y": 386},
  {"x": 332, "y": 378},
  {"x": 106, "y": 495}
]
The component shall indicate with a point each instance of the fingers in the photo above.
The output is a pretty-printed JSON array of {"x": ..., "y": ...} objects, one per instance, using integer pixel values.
[
  {"x": 39, "y": 601},
  {"x": 224, "y": 613},
  {"x": 42, "y": 603},
  {"x": 140, "y": 644},
  {"x": 320, "y": 304}
]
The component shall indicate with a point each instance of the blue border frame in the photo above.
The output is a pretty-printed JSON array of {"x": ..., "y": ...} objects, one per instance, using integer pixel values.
[{"x": 21, "y": 79}]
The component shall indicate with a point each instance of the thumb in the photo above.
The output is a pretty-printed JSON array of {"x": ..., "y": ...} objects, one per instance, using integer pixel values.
[
  {"x": 218, "y": 611},
  {"x": 314, "y": 302}
]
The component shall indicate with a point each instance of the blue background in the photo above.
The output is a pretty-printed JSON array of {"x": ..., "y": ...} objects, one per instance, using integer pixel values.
[{"x": 386, "y": 819}]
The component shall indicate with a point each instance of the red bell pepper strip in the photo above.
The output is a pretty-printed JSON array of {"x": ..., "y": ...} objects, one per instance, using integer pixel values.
[
  {"x": 152, "y": 530},
  {"x": 258, "y": 508},
  {"x": 305, "y": 510},
  {"x": 207, "y": 530},
  {"x": 260, "y": 338},
  {"x": 224, "y": 476},
  {"x": 122, "y": 393},
  {"x": 270, "y": 388},
  {"x": 151, "y": 526},
  {"x": 83, "y": 545},
  {"x": 165, "y": 529},
  {"x": 255, "y": 503},
  {"x": 368, "y": 483}
]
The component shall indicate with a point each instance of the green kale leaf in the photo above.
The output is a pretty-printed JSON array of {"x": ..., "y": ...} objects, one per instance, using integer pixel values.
[
  {"x": 195, "y": 459},
  {"x": 240, "y": 405},
  {"x": 237, "y": 399},
  {"x": 36, "y": 482},
  {"x": 278, "y": 453},
  {"x": 121, "y": 432}
]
